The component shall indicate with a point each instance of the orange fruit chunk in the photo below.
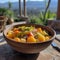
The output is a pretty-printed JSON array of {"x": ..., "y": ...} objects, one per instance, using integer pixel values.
[{"x": 31, "y": 39}]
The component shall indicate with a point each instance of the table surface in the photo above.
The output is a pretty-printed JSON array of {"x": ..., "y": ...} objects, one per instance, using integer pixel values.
[{"x": 7, "y": 53}]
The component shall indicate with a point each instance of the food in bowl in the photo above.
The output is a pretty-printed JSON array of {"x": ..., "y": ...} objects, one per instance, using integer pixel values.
[
  {"x": 28, "y": 34},
  {"x": 33, "y": 45}
]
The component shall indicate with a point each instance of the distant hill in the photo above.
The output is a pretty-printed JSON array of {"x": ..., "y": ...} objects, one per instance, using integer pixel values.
[{"x": 32, "y": 5}]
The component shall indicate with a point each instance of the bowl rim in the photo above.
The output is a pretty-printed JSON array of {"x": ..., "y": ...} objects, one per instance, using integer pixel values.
[{"x": 11, "y": 26}]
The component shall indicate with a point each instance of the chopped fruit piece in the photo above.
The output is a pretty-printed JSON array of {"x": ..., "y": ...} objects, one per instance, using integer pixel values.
[
  {"x": 10, "y": 34},
  {"x": 31, "y": 39},
  {"x": 15, "y": 29},
  {"x": 17, "y": 39},
  {"x": 30, "y": 34},
  {"x": 39, "y": 30},
  {"x": 23, "y": 40},
  {"x": 41, "y": 37},
  {"x": 47, "y": 38},
  {"x": 45, "y": 33},
  {"x": 16, "y": 32}
]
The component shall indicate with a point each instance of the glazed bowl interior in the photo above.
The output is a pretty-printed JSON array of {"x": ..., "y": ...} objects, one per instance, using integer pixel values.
[{"x": 29, "y": 47}]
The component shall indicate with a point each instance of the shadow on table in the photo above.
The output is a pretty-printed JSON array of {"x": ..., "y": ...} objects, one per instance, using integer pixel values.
[
  {"x": 10, "y": 54},
  {"x": 20, "y": 56}
]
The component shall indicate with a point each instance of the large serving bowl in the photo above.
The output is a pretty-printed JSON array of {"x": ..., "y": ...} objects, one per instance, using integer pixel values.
[{"x": 29, "y": 48}]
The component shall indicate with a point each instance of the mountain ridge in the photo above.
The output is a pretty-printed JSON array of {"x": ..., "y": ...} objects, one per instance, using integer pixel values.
[{"x": 31, "y": 4}]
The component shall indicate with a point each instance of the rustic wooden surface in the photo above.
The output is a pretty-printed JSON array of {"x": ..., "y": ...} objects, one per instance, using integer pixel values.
[{"x": 7, "y": 53}]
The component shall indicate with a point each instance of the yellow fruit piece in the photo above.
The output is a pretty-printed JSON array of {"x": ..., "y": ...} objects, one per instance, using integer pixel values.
[
  {"x": 44, "y": 33},
  {"x": 10, "y": 34},
  {"x": 39, "y": 30},
  {"x": 41, "y": 37},
  {"x": 47, "y": 38},
  {"x": 31, "y": 39},
  {"x": 17, "y": 39},
  {"x": 15, "y": 29},
  {"x": 23, "y": 40}
]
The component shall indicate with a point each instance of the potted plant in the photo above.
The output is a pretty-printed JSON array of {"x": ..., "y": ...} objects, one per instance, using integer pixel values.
[
  {"x": 2, "y": 11},
  {"x": 10, "y": 15},
  {"x": 7, "y": 13}
]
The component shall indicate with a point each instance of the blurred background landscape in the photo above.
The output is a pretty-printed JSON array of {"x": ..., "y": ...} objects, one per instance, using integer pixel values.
[{"x": 35, "y": 8}]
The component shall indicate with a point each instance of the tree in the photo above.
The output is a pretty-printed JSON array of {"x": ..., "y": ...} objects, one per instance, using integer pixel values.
[
  {"x": 9, "y": 4},
  {"x": 44, "y": 15},
  {"x": 46, "y": 9},
  {"x": 45, "y": 12}
]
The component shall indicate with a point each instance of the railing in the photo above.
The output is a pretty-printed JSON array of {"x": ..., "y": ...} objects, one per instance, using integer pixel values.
[
  {"x": 24, "y": 8},
  {"x": 25, "y": 13},
  {"x": 58, "y": 10},
  {"x": 23, "y": 16}
]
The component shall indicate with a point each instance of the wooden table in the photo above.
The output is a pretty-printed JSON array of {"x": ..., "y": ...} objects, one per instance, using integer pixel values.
[{"x": 7, "y": 53}]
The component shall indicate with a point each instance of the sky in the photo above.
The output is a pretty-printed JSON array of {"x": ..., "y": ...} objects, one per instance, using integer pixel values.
[{"x": 3, "y": 1}]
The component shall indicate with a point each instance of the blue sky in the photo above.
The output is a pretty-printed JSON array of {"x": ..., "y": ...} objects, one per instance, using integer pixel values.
[{"x": 3, "y": 1}]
